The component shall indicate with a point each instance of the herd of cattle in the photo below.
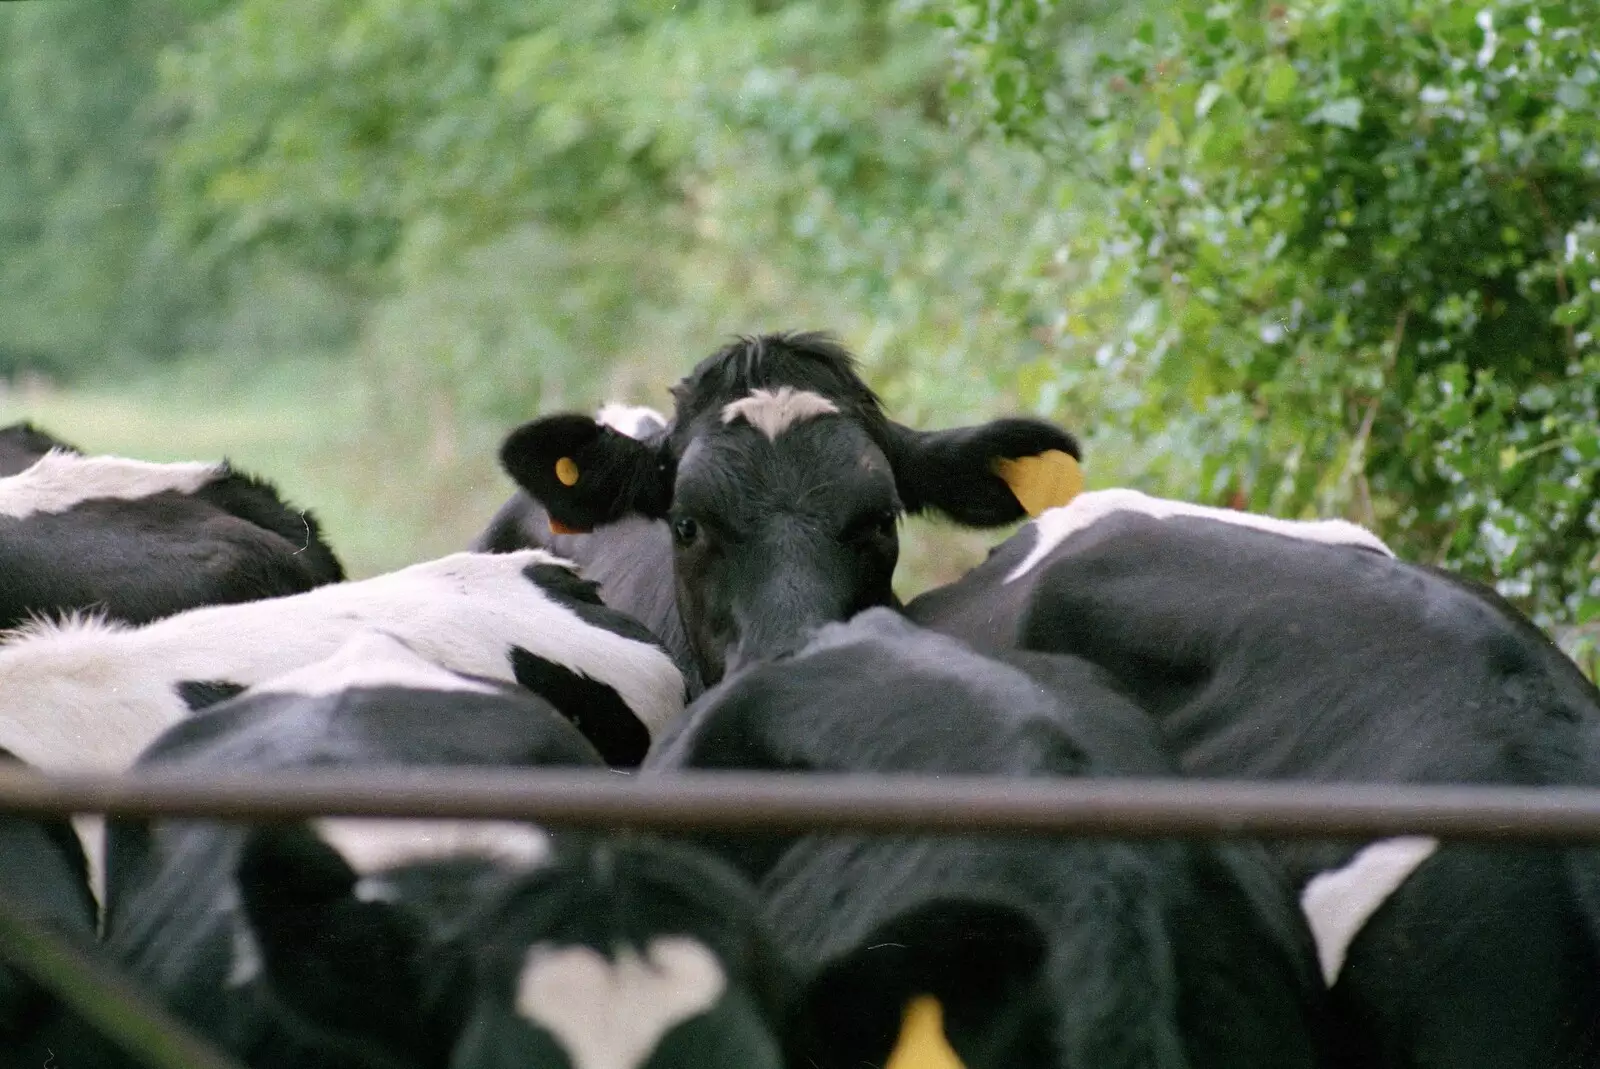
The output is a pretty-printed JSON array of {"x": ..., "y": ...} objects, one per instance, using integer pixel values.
[{"x": 711, "y": 590}]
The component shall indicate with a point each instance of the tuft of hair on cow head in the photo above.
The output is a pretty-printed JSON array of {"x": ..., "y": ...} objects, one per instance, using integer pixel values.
[
  {"x": 986, "y": 475},
  {"x": 586, "y": 473}
]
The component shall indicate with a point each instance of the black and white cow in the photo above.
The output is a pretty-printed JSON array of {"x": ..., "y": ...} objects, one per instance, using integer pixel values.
[
  {"x": 1304, "y": 650},
  {"x": 370, "y": 944},
  {"x": 1034, "y": 952},
  {"x": 139, "y": 541},
  {"x": 781, "y": 482},
  {"x": 89, "y": 694},
  {"x": 630, "y": 559}
]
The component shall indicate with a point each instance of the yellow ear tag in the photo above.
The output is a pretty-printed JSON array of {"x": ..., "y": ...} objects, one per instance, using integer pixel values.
[
  {"x": 567, "y": 471},
  {"x": 1046, "y": 481},
  {"x": 922, "y": 1043}
]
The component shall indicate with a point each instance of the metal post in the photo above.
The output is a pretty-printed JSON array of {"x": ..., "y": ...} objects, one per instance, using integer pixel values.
[{"x": 767, "y": 802}]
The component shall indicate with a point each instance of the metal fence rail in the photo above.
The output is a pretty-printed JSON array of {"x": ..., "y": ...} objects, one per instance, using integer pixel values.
[
  {"x": 1099, "y": 808},
  {"x": 1103, "y": 808}
]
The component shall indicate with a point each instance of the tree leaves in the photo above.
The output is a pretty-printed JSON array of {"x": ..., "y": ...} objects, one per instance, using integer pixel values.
[{"x": 1363, "y": 237}]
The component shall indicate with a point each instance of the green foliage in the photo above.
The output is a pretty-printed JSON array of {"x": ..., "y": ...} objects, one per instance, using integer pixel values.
[
  {"x": 1347, "y": 264},
  {"x": 643, "y": 179}
]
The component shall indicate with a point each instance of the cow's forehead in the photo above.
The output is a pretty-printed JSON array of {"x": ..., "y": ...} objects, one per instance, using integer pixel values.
[{"x": 816, "y": 465}]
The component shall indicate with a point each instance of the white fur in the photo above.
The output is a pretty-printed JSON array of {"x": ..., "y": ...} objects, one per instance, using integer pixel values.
[
  {"x": 59, "y": 480},
  {"x": 373, "y": 845},
  {"x": 1338, "y": 903},
  {"x": 634, "y": 421},
  {"x": 1058, "y": 524},
  {"x": 772, "y": 413},
  {"x": 611, "y": 1014},
  {"x": 370, "y": 659}
]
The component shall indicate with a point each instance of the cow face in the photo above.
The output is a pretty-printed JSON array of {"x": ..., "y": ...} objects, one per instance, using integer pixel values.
[
  {"x": 783, "y": 481},
  {"x": 773, "y": 537},
  {"x": 594, "y": 955}
]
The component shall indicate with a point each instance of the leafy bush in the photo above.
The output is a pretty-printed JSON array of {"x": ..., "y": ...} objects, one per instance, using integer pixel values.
[{"x": 1348, "y": 262}]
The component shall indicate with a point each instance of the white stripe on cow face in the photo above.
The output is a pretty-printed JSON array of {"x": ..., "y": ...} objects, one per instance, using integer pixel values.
[
  {"x": 1339, "y": 902},
  {"x": 58, "y": 481},
  {"x": 370, "y": 659},
  {"x": 634, "y": 421},
  {"x": 1085, "y": 510},
  {"x": 372, "y": 845},
  {"x": 610, "y": 1014},
  {"x": 772, "y": 413}
]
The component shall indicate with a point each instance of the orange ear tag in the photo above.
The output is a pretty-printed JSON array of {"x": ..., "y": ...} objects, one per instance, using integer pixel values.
[
  {"x": 567, "y": 471},
  {"x": 922, "y": 1043},
  {"x": 1046, "y": 481}
]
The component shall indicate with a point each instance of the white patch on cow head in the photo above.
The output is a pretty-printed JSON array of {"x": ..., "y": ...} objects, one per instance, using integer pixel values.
[
  {"x": 370, "y": 659},
  {"x": 85, "y": 696},
  {"x": 60, "y": 480},
  {"x": 1058, "y": 524},
  {"x": 1339, "y": 902},
  {"x": 610, "y": 1014},
  {"x": 772, "y": 413},
  {"x": 374, "y": 845},
  {"x": 634, "y": 421}
]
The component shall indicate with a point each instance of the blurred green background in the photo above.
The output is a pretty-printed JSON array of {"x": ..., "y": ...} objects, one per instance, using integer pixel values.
[{"x": 1313, "y": 258}]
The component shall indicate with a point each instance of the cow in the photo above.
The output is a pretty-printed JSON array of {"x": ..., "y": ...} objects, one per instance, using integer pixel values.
[
  {"x": 1030, "y": 952},
  {"x": 630, "y": 559},
  {"x": 89, "y": 694},
  {"x": 139, "y": 541},
  {"x": 781, "y": 482},
  {"x": 342, "y": 943},
  {"x": 1304, "y": 650}
]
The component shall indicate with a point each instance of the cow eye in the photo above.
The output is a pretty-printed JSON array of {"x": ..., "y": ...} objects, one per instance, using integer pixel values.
[{"x": 685, "y": 530}]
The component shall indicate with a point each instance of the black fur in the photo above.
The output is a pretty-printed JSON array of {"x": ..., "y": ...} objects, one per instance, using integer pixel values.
[
  {"x": 1264, "y": 656},
  {"x": 258, "y": 502},
  {"x": 1046, "y": 954},
  {"x": 594, "y": 708},
  {"x": 140, "y": 560},
  {"x": 199, "y": 694},
  {"x": 23, "y": 443}
]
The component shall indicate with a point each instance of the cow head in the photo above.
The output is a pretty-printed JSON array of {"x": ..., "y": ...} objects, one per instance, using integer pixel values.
[
  {"x": 625, "y": 954},
  {"x": 783, "y": 483}
]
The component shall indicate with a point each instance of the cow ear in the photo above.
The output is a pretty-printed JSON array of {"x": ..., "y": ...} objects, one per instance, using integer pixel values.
[
  {"x": 585, "y": 473},
  {"x": 321, "y": 947},
  {"x": 987, "y": 475}
]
